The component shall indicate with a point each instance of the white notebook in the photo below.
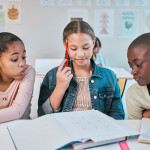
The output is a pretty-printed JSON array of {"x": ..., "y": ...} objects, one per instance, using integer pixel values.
[
  {"x": 145, "y": 130},
  {"x": 54, "y": 131}
]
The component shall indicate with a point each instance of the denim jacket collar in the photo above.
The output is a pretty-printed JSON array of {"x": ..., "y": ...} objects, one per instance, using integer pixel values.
[{"x": 96, "y": 72}]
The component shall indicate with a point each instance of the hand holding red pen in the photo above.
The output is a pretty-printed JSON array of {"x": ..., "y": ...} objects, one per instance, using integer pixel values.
[{"x": 64, "y": 77}]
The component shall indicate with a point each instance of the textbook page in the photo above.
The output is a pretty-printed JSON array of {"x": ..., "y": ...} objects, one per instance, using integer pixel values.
[
  {"x": 145, "y": 129},
  {"x": 43, "y": 133},
  {"x": 93, "y": 125}
]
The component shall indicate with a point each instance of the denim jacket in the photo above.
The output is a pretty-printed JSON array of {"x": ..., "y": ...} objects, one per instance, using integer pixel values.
[{"x": 104, "y": 92}]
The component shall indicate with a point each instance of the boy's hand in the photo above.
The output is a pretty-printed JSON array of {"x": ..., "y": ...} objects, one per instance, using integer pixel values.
[
  {"x": 146, "y": 114},
  {"x": 64, "y": 77}
]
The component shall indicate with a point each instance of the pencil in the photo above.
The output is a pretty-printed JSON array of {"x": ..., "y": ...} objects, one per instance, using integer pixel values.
[{"x": 66, "y": 53}]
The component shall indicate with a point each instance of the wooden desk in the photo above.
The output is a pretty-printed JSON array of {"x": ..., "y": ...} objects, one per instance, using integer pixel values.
[{"x": 7, "y": 144}]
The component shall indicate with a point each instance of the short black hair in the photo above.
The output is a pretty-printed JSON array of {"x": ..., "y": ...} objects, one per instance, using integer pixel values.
[
  {"x": 99, "y": 42},
  {"x": 7, "y": 38},
  {"x": 142, "y": 40}
]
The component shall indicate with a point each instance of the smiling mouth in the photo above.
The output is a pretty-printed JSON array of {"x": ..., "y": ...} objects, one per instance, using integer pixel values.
[{"x": 80, "y": 59}]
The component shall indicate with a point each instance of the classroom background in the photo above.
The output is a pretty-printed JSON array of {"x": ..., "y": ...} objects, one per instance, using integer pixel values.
[{"x": 40, "y": 24}]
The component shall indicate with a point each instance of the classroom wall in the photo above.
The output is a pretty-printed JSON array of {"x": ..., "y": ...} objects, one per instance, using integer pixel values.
[{"x": 42, "y": 26}]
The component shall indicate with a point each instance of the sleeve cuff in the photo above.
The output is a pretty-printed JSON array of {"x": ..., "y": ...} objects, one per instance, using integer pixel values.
[{"x": 47, "y": 107}]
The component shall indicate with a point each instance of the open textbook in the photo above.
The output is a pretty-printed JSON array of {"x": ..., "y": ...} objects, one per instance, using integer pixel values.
[
  {"x": 53, "y": 131},
  {"x": 145, "y": 130}
]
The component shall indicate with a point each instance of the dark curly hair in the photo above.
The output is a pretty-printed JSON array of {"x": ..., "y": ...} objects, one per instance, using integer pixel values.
[{"x": 7, "y": 38}]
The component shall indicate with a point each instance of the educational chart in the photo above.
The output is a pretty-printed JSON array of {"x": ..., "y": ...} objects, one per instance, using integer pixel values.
[
  {"x": 122, "y": 3},
  {"x": 2, "y": 17},
  {"x": 104, "y": 22},
  {"x": 65, "y": 2},
  {"x": 84, "y": 2},
  {"x": 141, "y": 3},
  {"x": 103, "y": 2},
  {"x": 128, "y": 23},
  {"x": 147, "y": 21},
  {"x": 13, "y": 13},
  {"x": 2, "y": 21},
  {"x": 47, "y": 2},
  {"x": 77, "y": 14}
]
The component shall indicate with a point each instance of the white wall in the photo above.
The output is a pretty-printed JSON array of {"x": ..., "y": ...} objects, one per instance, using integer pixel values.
[{"x": 42, "y": 26}]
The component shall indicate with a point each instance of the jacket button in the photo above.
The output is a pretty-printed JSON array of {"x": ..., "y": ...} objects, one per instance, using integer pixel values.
[
  {"x": 95, "y": 97},
  {"x": 92, "y": 81}
]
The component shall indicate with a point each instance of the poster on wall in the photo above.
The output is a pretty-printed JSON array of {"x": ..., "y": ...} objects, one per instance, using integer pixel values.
[
  {"x": 47, "y": 2},
  {"x": 2, "y": 6},
  {"x": 104, "y": 22},
  {"x": 84, "y": 2},
  {"x": 2, "y": 21},
  {"x": 147, "y": 21},
  {"x": 141, "y": 2},
  {"x": 65, "y": 2},
  {"x": 122, "y": 3},
  {"x": 128, "y": 22},
  {"x": 13, "y": 13},
  {"x": 103, "y": 2},
  {"x": 77, "y": 14}
]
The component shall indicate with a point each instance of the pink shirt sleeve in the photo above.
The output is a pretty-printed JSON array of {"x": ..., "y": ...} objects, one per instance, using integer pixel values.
[{"x": 22, "y": 99}]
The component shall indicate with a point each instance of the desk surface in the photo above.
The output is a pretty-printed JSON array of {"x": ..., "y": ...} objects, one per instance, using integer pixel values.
[
  {"x": 7, "y": 144},
  {"x": 121, "y": 73}
]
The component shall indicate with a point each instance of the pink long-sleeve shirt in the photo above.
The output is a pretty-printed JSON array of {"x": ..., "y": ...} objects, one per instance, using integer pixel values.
[{"x": 15, "y": 102}]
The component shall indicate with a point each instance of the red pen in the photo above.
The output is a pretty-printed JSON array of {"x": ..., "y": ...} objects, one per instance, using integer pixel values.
[{"x": 66, "y": 53}]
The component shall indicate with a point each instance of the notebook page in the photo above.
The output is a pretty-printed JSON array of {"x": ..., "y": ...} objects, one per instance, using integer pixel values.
[
  {"x": 41, "y": 133},
  {"x": 145, "y": 129},
  {"x": 88, "y": 124}
]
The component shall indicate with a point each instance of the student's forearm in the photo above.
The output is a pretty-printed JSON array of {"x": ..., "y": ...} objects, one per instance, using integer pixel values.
[
  {"x": 56, "y": 98},
  {"x": 146, "y": 114}
]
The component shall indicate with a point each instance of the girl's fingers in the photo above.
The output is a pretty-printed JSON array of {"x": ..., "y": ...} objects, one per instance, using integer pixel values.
[
  {"x": 61, "y": 65},
  {"x": 67, "y": 73},
  {"x": 66, "y": 69},
  {"x": 70, "y": 76}
]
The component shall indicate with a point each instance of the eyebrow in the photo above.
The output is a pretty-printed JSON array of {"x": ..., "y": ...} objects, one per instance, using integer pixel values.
[
  {"x": 17, "y": 53},
  {"x": 83, "y": 45}
]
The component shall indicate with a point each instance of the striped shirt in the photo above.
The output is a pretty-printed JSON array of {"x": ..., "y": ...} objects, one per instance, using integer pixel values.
[{"x": 83, "y": 99}]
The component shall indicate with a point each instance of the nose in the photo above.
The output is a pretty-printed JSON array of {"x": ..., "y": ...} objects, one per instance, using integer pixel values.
[
  {"x": 80, "y": 53},
  {"x": 134, "y": 71},
  {"x": 22, "y": 63}
]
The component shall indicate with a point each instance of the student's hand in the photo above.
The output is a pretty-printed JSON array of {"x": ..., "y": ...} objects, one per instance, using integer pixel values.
[
  {"x": 64, "y": 77},
  {"x": 146, "y": 114}
]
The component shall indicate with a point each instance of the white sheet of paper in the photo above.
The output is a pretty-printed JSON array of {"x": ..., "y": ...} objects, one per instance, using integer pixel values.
[
  {"x": 80, "y": 124},
  {"x": 39, "y": 130}
]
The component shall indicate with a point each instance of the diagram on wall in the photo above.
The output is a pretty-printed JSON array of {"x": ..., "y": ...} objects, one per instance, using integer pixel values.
[
  {"x": 128, "y": 22},
  {"x": 104, "y": 22},
  {"x": 65, "y": 2},
  {"x": 141, "y": 2},
  {"x": 2, "y": 21},
  {"x": 103, "y": 2},
  {"x": 84, "y": 2},
  {"x": 147, "y": 21},
  {"x": 13, "y": 13},
  {"x": 122, "y": 2},
  {"x": 47, "y": 2}
]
